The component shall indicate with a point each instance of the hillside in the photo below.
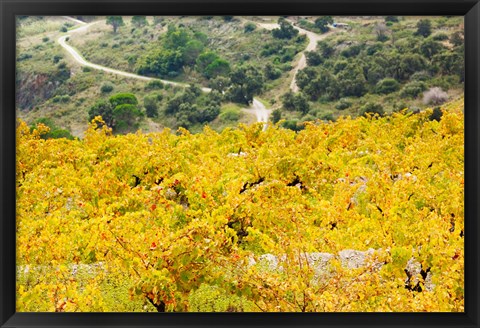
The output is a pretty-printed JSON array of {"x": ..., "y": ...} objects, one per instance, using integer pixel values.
[
  {"x": 225, "y": 221},
  {"x": 376, "y": 64}
]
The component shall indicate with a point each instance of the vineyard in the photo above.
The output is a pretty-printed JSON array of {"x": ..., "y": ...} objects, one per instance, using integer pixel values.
[{"x": 233, "y": 221}]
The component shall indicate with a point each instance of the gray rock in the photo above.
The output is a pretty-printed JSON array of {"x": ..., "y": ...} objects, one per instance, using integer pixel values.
[{"x": 353, "y": 259}]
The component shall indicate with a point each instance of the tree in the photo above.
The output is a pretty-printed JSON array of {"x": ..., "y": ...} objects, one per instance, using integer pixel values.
[
  {"x": 126, "y": 117},
  {"x": 301, "y": 103},
  {"x": 295, "y": 102},
  {"x": 424, "y": 28},
  {"x": 219, "y": 83},
  {"x": 276, "y": 115},
  {"x": 286, "y": 30},
  {"x": 176, "y": 38},
  {"x": 430, "y": 48},
  {"x": 246, "y": 82},
  {"x": 351, "y": 81},
  {"x": 325, "y": 49},
  {"x": 115, "y": 21},
  {"x": 204, "y": 60},
  {"x": 139, "y": 21},
  {"x": 218, "y": 67},
  {"x": 288, "y": 100},
  {"x": 120, "y": 113},
  {"x": 410, "y": 64},
  {"x": 313, "y": 58},
  {"x": 161, "y": 63},
  {"x": 272, "y": 72},
  {"x": 151, "y": 107},
  {"x": 192, "y": 49},
  {"x": 123, "y": 98},
  {"x": 323, "y": 22},
  {"x": 103, "y": 109}
]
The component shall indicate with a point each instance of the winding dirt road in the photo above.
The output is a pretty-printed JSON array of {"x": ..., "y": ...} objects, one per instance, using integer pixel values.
[
  {"x": 260, "y": 111},
  {"x": 79, "y": 58},
  {"x": 313, "y": 39},
  {"x": 257, "y": 108}
]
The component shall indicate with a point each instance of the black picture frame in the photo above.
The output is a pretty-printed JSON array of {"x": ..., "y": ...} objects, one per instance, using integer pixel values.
[{"x": 470, "y": 9}]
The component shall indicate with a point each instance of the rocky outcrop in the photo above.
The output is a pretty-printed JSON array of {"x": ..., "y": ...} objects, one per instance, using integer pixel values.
[{"x": 416, "y": 276}]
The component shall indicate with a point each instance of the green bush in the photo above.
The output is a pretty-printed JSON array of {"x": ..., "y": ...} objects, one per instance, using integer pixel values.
[
  {"x": 413, "y": 89},
  {"x": 440, "y": 37},
  {"x": 436, "y": 114},
  {"x": 24, "y": 56},
  {"x": 292, "y": 125},
  {"x": 343, "y": 104},
  {"x": 154, "y": 85},
  {"x": 249, "y": 27},
  {"x": 57, "y": 58},
  {"x": 387, "y": 85},
  {"x": 230, "y": 115},
  {"x": 372, "y": 108},
  {"x": 106, "y": 88},
  {"x": 61, "y": 99},
  {"x": 45, "y": 39},
  {"x": 150, "y": 104}
]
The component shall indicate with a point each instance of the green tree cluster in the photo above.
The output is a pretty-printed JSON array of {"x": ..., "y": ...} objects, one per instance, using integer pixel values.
[{"x": 120, "y": 112}]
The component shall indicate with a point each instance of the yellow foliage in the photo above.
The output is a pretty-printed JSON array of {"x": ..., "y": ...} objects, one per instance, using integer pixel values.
[{"x": 163, "y": 214}]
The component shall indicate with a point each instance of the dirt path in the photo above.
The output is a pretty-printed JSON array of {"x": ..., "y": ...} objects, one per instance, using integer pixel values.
[
  {"x": 260, "y": 111},
  {"x": 79, "y": 58},
  {"x": 257, "y": 107},
  {"x": 312, "y": 44}
]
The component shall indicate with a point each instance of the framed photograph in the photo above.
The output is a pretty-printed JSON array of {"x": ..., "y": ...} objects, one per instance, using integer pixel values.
[{"x": 257, "y": 163}]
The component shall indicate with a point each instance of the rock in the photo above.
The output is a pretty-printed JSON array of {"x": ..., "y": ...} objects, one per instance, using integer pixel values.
[
  {"x": 415, "y": 275},
  {"x": 353, "y": 259},
  {"x": 318, "y": 261},
  {"x": 270, "y": 261}
]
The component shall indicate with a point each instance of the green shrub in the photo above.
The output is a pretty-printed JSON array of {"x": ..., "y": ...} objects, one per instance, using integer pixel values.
[
  {"x": 372, "y": 109},
  {"x": 276, "y": 115},
  {"x": 327, "y": 117},
  {"x": 387, "y": 85},
  {"x": 57, "y": 58},
  {"x": 86, "y": 69},
  {"x": 343, "y": 104},
  {"x": 230, "y": 115},
  {"x": 63, "y": 29},
  {"x": 45, "y": 39},
  {"x": 420, "y": 76},
  {"x": 154, "y": 85},
  {"x": 150, "y": 104},
  {"x": 249, "y": 27},
  {"x": 440, "y": 37},
  {"x": 393, "y": 19},
  {"x": 413, "y": 89},
  {"x": 106, "y": 87},
  {"x": 436, "y": 114},
  {"x": 292, "y": 125},
  {"x": 23, "y": 56},
  {"x": 61, "y": 99}
]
